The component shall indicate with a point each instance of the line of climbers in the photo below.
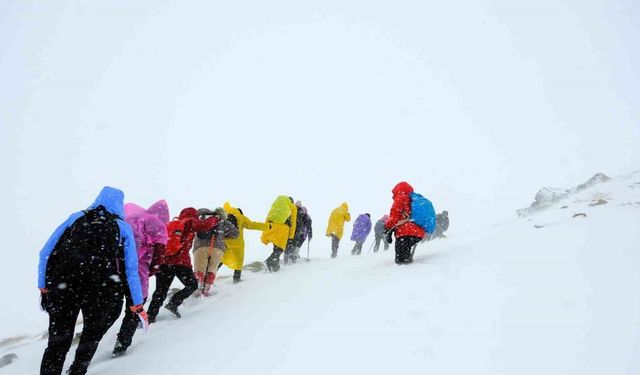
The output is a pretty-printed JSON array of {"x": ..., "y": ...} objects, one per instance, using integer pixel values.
[
  {"x": 412, "y": 219},
  {"x": 105, "y": 255}
]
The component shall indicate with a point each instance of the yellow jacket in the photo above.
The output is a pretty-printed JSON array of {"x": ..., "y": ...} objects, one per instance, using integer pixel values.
[
  {"x": 279, "y": 234},
  {"x": 337, "y": 219},
  {"x": 234, "y": 256}
]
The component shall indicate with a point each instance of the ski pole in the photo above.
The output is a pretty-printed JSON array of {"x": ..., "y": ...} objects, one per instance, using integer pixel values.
[
  {"x": 308, "y": 246},
  {"x": 371, "y": 247}
]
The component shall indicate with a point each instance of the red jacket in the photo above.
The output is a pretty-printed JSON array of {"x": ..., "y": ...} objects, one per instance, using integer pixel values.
[
  {"x": 401, "y": 210},
  {"x": 192, "y": 225}
]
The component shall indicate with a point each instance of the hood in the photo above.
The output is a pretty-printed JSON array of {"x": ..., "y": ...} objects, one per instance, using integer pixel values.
[
  {"x": 160, "y": 209},
  {"x": 133, "y": 210},
  {"x": 112, "y": 199},
  {"x": 345, "y": 206},
  {"x": 220, "y": 213},
  {"x": 402, "y": 188},
  {"x": 363, "y": 218},
  {"x": 188, "y": 213},
  {"x": 229, "y": 209}
]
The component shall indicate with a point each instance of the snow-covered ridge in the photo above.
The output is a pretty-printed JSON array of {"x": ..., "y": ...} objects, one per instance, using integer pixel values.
[{"x": 595, "y": 191}]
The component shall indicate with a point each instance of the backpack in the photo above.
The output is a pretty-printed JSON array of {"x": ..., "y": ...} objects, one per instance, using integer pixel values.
[
  {"x": 175, "y": 232},
  {"x": 422, "y": 212},
  {"x": 280, "y": 210},
  {"x": 207, "y": 234},
  {"x": 89, "y": 252},
  {"x": 233, "y": 220}
]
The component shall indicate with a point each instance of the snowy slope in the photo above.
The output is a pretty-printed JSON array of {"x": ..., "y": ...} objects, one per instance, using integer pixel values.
[
  {"x": 546, "y": 294},
  {"x": 308, "y": 99}
]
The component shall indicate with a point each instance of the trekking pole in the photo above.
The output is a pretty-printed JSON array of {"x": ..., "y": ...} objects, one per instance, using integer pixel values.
[
  {"x": 204, "y": 282},
  {"x": 204, "y": 285},
  {"x": 308, "y": 246},
  {"x": 371, "y": 247}
]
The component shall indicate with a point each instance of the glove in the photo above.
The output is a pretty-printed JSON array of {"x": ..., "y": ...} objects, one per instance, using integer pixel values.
[
  {"x": 142, "y": 316},
  {"x": 388, "y": 236},
  {"x": 44, "y": 299}
]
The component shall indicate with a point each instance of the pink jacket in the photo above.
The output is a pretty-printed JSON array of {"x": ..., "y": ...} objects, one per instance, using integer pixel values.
[{"x": 149, "y": 229}]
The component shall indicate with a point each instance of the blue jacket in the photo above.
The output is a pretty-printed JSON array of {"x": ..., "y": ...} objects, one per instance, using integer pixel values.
[{"x": 113, "y": 200}]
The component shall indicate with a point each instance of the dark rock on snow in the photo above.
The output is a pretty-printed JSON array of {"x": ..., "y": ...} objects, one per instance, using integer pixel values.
[{"x": 548, "y": 196}]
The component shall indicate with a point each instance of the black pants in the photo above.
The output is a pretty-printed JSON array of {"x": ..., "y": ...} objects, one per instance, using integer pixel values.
[
  {"x": 164, "y": 278},
  {"x": 335, "y": 244},
  {"x": 357, "y": 249},
  {"x": 404, "y": 247},
  {"x": 379, "y": 239},
  {"x": 128, "y": 326},
  {"x": 100, "y": 309}
]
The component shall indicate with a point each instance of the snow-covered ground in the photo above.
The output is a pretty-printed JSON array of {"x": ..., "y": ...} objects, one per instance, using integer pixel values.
[{"x": 546, "y": 294}]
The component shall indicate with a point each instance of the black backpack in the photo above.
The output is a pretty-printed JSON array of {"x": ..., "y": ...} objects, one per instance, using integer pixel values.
[
  {"x": 89, "y": 253},
  {"x": 206, "y": 235},
  {"x": 232, "y": 218}
]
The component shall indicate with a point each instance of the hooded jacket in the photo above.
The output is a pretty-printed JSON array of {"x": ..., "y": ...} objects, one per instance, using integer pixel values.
[
  {"x": 149, "y": 229},
  {"x": 361, "y": 228},
  {"x": 304, "y": 226},
  {"x": 222, "y": 230},
  {"x": 379, "y": 227},
  {"x": 234, "y": 256},
  {"x": 280, "y": 234},
  {"x": 442, "y": 224},
  {"x": 337, "y": 219},
  {"x": 192, "y": 224},
  {"x": 401, "y": 213},
  {"x": 112, "y": 200}
]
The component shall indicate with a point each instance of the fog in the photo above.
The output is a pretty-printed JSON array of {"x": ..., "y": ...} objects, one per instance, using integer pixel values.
[{"x": 475, "y": 103}]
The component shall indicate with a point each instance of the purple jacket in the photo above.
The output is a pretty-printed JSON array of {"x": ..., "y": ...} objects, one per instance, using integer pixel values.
[
  {"x": 361, "y": 228},
  {"x": 149, "y": 228}
]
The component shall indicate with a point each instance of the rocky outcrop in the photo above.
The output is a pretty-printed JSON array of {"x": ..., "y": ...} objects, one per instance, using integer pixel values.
[{"x": 548, "y": 196}]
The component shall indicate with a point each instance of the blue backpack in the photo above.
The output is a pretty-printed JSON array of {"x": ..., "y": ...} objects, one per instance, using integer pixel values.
[{"x": 422, "y": 212}]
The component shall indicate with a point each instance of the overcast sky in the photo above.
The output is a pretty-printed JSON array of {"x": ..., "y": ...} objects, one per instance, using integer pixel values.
[{"x": 476, "y": 103}]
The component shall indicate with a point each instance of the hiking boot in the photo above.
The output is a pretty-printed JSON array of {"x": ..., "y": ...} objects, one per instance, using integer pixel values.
[
  {"x": 273, "y": 265},
  {"x": 119, "y": 350},
  {"x": 404, "y": 261},
  {"x": 236, "y": 276},
  {"x": 273, "y": 261},
  {"x": 173, "y": 309}
]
